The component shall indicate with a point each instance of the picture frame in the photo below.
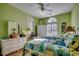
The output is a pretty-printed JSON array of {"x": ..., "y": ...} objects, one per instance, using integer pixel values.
[{"x": 63, "y": 26}]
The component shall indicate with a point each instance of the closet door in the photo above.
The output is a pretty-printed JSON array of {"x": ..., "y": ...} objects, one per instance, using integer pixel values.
[{"x": 41, "y": 30}]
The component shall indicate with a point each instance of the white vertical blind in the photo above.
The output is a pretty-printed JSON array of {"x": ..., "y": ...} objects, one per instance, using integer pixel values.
[{"x": 30, "y": 23}]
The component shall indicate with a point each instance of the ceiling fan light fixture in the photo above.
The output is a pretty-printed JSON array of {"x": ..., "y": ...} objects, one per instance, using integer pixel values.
[{"x": 41, "y": 12}]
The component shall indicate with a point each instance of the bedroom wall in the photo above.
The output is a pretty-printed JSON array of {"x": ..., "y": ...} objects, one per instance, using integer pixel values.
[
  {"x": 65, "y": 17},
  {"x": 75, "y": 16},
  {"x": 8, "y": 12}
]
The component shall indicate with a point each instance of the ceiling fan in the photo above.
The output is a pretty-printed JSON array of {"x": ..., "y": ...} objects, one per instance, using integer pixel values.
[{"x": 43, "y": 8}]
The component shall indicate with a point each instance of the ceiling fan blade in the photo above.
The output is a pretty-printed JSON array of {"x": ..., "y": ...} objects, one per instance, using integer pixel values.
[
  {"x": 42, "y": 7},
  {"x": 49, "y": 10},
  {"x": 41, "y": 4}
]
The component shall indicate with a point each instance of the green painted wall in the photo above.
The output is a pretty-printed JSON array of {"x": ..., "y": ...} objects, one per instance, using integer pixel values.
[
  {"x": 66, "y": 17},
  {"x": 8, "y": 12},
  {"x": 75, "y": 16}
]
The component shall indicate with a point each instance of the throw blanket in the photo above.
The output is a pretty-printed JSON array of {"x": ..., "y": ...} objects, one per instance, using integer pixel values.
[{"x": 42, "y": 45}]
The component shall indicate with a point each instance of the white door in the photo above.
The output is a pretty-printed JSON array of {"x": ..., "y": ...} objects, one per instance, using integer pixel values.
[{"x": 42, "y": 30}]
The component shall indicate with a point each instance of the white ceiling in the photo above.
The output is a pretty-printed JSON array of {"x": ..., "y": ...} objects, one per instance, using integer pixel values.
[{"x": 34, "y": 8}]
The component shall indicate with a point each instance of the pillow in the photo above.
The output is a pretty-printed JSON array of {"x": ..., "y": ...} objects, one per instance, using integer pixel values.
[
  {"x": 49, "y": 37},
  {"x": 60, "y": 43}
]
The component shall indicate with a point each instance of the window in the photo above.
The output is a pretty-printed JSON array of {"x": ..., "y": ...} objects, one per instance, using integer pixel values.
[{"x": 52, "y": 27}]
